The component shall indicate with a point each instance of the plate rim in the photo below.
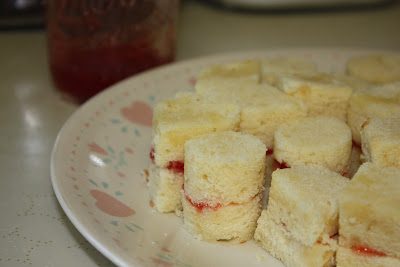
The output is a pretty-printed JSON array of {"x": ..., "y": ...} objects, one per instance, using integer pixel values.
[{"x": 82, "y": 229}]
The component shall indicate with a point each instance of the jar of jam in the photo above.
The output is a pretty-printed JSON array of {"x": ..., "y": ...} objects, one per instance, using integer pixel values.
[{"x": 94, "y": 44}]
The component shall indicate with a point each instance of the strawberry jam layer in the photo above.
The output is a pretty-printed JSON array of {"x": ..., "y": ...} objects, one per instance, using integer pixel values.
[
  {"x": 269, "y": 152},
  {"x": 276, "y": 164},
  {"x": 355, "y": 144},
  {"x": 279, "y": 165},
  {"x": 176, "y": 166},
  {"x": 201, "y": 205},
  {"x": 367, "y": 251}
]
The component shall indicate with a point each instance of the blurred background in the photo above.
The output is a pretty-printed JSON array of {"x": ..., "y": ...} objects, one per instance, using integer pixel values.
[
  {"x": 211, "y": 26},
  {"x": 200, "y": 28}
]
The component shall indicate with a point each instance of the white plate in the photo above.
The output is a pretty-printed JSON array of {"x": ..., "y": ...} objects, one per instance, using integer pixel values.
[{"x": 98, "y": 161}]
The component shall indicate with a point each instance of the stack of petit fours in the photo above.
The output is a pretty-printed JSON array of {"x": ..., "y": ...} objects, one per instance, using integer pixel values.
[{"x": 278, "y": 129}]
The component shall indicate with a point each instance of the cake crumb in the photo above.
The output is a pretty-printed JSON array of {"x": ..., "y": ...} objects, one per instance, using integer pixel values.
[
  {"x": 151, "y": 204},
  {"x": 146, "y": 175}
]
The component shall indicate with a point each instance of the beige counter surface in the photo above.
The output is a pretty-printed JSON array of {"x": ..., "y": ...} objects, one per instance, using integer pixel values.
[{"x": 33, "y": 229}]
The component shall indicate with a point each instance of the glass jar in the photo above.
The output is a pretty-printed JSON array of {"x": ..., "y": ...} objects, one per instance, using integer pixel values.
[{"x": 93, "y": 44}]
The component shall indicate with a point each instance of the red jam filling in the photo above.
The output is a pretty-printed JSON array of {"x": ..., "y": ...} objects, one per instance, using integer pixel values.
[
  {"x": 279, "y": 165},
  {"x": 152, "y": 154},
  {"x": 176, "y": 166},
  {"x": 367, "y": 251},
  {"x": 201, "y": 205},
  {"x": 355, "y": 144},
  {"x": 269, "y": 152},
  {"x": 283, "y": 165}
]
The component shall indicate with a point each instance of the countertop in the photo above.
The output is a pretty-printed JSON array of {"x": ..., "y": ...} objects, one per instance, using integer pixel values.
[{"x": 33, "y": 228}]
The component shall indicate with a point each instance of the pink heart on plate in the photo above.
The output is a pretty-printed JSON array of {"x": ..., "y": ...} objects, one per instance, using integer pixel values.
[
  {"x": 93, "y": 147},
  {"x": 138, "y": 112},
  {"x": 111, "y": 205}
]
